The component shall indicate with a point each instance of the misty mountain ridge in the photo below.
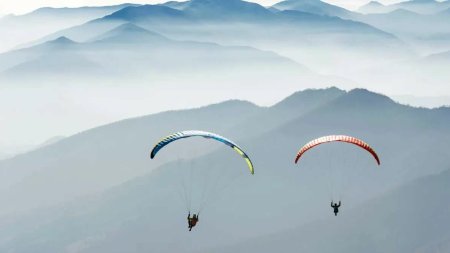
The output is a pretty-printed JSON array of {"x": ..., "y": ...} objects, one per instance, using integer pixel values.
[
  {"x": 315, "y": 7},
  {"x": 56, "y": 64},
  {"x": 196, "y": 10},
  {"x": 154, "y": 12},
  {"x": 62, "y": 41},
  {"x": 225, "y": 9},
  {"x": 404, "y": 12},
  {"x": 363, "y": 97},
  {"x": 413, "y": 26},
  {"x": 347, "y": 102},
  {"x": 153, "y": 51},
  {"x": 70, "y": 10},
  {"x": 124, "y": 33},
  {"x": 303, "y": 32},
  {"x": 310, "y": 95},
  {"x": 440, "y": 60},
  {"x": 374, "y": 3},
  {"x": 372, "y": 7},
  {"x": 419, "y": 6},
  {"x": 202, "y": 10},
  {"x": 179, "y": 5},
  {"x": 221, "y": 22},
  {"x": 18, "y": 30}
]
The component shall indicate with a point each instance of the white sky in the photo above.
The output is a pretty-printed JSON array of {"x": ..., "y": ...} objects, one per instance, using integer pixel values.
[{"x": 23, "y": 6}]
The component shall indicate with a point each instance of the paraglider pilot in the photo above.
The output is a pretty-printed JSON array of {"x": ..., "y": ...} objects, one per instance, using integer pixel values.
[
  {"x": 192, "y": 221},
  {"x": 335, "y": 206}
]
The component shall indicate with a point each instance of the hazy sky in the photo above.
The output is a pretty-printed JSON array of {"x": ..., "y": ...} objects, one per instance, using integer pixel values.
[{"x": 23, "y": 6}]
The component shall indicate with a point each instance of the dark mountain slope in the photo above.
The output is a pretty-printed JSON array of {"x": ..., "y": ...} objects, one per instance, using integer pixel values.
[{"x": 412, "y": 218}]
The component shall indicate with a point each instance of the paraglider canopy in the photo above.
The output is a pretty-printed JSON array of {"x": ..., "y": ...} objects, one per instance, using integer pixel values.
[
  {"x": 195, "y": 133},
  {"x": 340, "y": 138}
]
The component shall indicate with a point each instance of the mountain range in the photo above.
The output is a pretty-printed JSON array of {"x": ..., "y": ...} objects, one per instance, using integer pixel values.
[
  {"x": 148, "y": 52},
  {"x": 321, "y": 40},
  {"x": 16, "y": 30},
  {"x": 414, "y": 26},
  {"x": 221, "y": 15}
]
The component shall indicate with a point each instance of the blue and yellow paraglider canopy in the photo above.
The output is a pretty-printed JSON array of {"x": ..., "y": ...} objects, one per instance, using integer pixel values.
[{"x": 194, "y": 133}]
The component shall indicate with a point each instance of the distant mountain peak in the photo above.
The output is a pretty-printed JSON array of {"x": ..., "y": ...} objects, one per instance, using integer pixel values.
[
  {"x": 313, "y": 6},
  {"x": 179, "y": 5},
  {"x": 133, "y": 13},
  {"x": 129, "y": 32},
  {"x": 230, "y": 104},
  {"x": 403, "y": 12},
  {"x": 130, "y": 27},
  {"x": 224, "y": 8},
  {"x": 63, "y": 40},
  {"x": 303, "y": 96},
  {"x": 367, "y": 97},
  {"x": 50, "y": 10},
  {"x": 331, "y": 89},
  {"x": 373, "y": 7},
  {"x": 374, "y": 3}
]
